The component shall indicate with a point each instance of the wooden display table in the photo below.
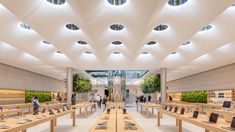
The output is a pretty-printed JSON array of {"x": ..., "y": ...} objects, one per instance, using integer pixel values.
[
  {"x": 35, "y": 120},
  {"x": 115, "y": 105},
  {"x": 115, "y": 122},
  {"x": 19, "y": 106},
  {"x": 187, "y": 106},
  {"x": 51, "y": 105},
  {"x": 147, "y": 106},
  {"x": 6, "y": 112},
  {"x": 198, "y": 122},
  {"x": 85, "y": 106}
]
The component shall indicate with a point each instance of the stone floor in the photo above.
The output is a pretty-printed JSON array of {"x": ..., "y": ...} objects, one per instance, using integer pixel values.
[{"x": 148, "y": 124}]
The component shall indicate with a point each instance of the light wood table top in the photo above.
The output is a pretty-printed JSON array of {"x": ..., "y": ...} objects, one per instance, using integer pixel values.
[
  {"x": 116, "y": 122},
  {"x": 198, "y": 121},
  {"x": 35, "y": 120},
  {"x": 6, "y": 111}
]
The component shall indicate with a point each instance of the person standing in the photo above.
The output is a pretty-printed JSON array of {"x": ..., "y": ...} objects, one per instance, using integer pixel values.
[
  {"x": 149, "y": 98},
  {"x": 35, "y": 104},
  {"x": 98, "y": 100},
  {"x": 73, "y": 99},
  {"x": 105, "y": 101}
]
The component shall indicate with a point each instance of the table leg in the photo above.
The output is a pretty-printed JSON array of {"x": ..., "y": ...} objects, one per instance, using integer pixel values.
[
  {"x": 55, "y": 121},
  {"x": 137, "y": 107},
  {"x": 23, "y": 130},
  {"x": 206, "y": 130},
  {"x": 85, "y": 111},
  {"x": 152, "y": 110},
  {"x": 158, "y": 118},
  {"x": 179, "y": 125},
  {"x": 176, "y": 121},
  {"x": 52, "y": 129},
  {"x": 80, "y": 110},
  {"x": 147, "y": 111},
  {"x": 74, "y": 121},
  {"x": 141, "y": 109}
]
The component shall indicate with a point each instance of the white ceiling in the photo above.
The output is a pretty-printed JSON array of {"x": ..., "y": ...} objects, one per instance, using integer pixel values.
[{"x": 208, "y": 49}]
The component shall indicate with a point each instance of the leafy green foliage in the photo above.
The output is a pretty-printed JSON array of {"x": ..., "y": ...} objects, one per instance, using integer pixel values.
[
  {"x": 81, "y": 84},
  {"x": 151, "y": 84},
  {"x": 42, "y": 96},
  {"x": 195, "y": 97},
  {"x": 123, "y": 89}
]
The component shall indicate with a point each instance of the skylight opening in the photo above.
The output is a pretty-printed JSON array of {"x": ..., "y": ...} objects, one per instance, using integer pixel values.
[
  {"x": 173, "y": 53},
  {"x": 116, "y": 42},
  {"x": 56, "y": 2},
  {"x": 208, "y": 27},
  {"x": 25, "y": 26},
  {"x": 117, "y": 2},
  {"x": 151, "y": 43},
  {"x": 176, "y": 2},
  {"x": 88, "y": 52},
  {"x": 116, "y": 52},
  {"x": 72, "y": 27},
  {"x": 59, "y": 52},
  {"x": 161, "y": 27},
  {"x": 117, "y": 27},
  {"x": 144, "y": 52},
  {"x": 46, "y": 42},
  {"x": 186, "y": 43},
  {"x": 82, "y": 42}
]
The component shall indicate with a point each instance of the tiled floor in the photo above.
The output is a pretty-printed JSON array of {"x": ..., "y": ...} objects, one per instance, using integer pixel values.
[{"x": 149, "y": 125}]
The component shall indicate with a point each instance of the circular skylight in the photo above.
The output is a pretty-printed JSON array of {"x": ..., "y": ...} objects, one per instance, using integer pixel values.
[
  {"x": 25, "y": 26},
  {"x": 72, "y": 27},
  {"x": 208, "y": 27},
  {"x": 161, "y": 27},
  {"x": 46, "y": 42},
  {"x": 59, "y": 52},
  {"x": 176, "y": 2},
  {"x": 116, "y": 42},
  {"x": 117, "y": 2},
  {"x": 151, "y": 43},
  {"x": 56, "y": 2},
  {"x": 88, "y": 52},
  {"x": 82, "y": 42},
  {"x": 173, "y": 53},
  {"x": 186, "y": 43},
  {"x": 116, "y": 52},
  {"x": 145, "y": 52},
  {"x": 116, "y": 27}
]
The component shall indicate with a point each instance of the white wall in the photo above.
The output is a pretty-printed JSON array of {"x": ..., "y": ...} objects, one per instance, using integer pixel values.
[
  {"x": 15, "y": 78},
  {"x": 217, "y": 79}
]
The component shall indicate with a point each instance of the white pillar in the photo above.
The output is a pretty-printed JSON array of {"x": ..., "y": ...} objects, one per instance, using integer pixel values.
[
  {"x": 163, "y": 85},
  {"x": 69, "y": 84}
]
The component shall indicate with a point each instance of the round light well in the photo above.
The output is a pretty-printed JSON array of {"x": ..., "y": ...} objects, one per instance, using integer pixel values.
[
  {"x": 144, "y": 52},
  {"x": 117, "y": 27},
  {"x": 82, "y": 42},
  {"x": 161, "y": 27},
  {"x": 151, "y": 43},
  {"x": 116, "y": 52},
  {"x": 46, "y": 42},
  {"x": 72, "y": 27},
  {"x": 176, "y": 2},
  {"x": 186, "y": 43},
  {"x": 88, "y": 52},
  {"x": 116, "y": 42},
  {"x": 208, "y": 27},
  {"x": 56, "y": 2},
  {"x": 25, "y": 26},
  {"x": 117, "y": 2}
]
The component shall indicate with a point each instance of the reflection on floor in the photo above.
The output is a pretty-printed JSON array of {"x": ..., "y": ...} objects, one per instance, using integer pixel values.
[{"x": 64, "y": 124}]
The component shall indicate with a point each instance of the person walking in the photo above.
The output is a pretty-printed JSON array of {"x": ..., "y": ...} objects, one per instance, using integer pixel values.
[
  {"x": 149, "y": 98},
  {"x": 35, "y": 104},
  {"x": 98, "y": 100}
]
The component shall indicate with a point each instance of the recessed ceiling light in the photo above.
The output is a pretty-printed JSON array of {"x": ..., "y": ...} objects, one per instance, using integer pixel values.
[
  {"x": 72, "y": 27},
  {"x": 186, "y": 43},
  {"x": 117, "y": 2},
  {"x": 173, "y": 53},
  {"x": 116, "y": 42},
  {"x": 151, "y": 43},
  {"x": 233, "y": 4},
  {"x": 25, "y": 26},
  {"x": 56, "y": 2},
  {"x": 144, "y": 52},
  {"x": 116, "y": 52},
  {"x": 208, "y": 27},
  {"x": 59, "y": 52},
  {"x": 46, "y": 42},
  {"x": 88, "y": 52},
  {"x": 82, "y": 42},
  {"x": 116, "y": 27},
  {"x": 176, "y": 2},
  {"x": 161, "y": 27}
]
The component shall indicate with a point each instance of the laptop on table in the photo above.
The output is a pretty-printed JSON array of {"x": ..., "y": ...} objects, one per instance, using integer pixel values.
[
  {"x": 213, "y": 119},
  {"x": 232, "y": 127}
]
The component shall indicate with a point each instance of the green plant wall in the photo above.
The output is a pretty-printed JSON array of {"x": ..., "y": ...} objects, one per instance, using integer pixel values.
[
  {"x": 42, "y": 96},
  {"x": 195, "y": 97},
  {"x": 81, "y": 84}
]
